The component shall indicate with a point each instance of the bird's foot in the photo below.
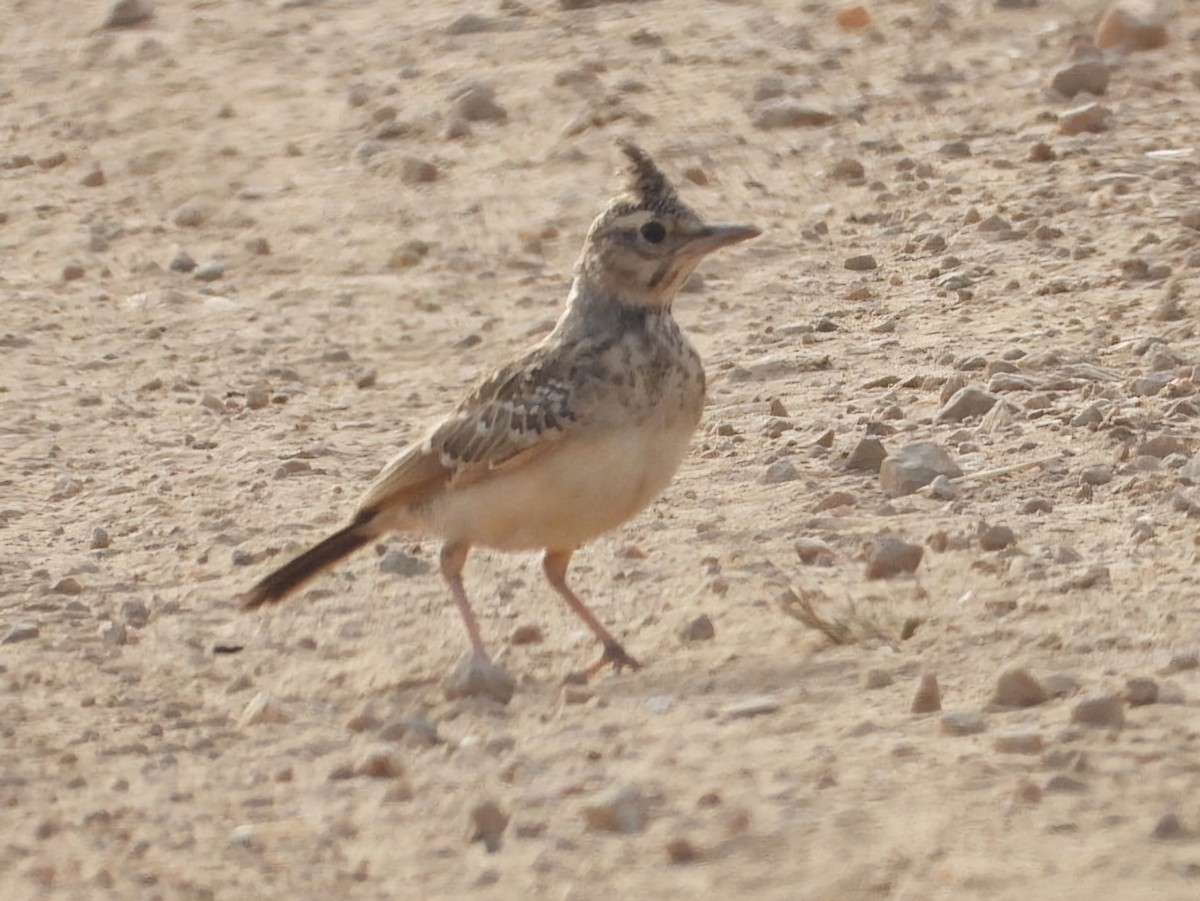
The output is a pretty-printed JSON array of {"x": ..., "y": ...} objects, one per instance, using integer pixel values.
[
  {"x": 614, "y": 655},
  {"x": 477, "y": 675}
]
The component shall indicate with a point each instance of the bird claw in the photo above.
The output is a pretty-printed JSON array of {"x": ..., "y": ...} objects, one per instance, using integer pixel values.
[{"x": 614, "y": 655}]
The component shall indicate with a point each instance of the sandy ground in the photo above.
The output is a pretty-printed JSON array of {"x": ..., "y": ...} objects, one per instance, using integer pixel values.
[{"x": 167, "y": 438}]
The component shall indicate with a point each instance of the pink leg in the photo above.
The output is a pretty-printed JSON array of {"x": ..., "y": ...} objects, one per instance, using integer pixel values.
[
  {"x": 454, "y": 557},
  {"x": 555, "y": 564}
]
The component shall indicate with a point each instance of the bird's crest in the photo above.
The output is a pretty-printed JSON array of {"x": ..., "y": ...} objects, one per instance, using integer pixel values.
[{"x": 646, "y": 183}]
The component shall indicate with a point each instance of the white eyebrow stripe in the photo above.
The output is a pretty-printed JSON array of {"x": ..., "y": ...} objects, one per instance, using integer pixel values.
[{"x": 633, "y": 220}]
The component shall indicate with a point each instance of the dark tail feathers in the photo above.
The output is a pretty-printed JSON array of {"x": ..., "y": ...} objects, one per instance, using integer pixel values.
[{"x": 279, "y": 584}]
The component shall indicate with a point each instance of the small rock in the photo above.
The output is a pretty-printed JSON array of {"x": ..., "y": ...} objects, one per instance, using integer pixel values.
[
  {"x": 181, "y": 262},
  {"x": 413, "y": 731},
  {"x": 262, "y": 709},
  {"x": 210, "y": 271},
  {"x": 1103, "y": 710},
  {"x": 486, "y": 824},
  {"x": 681, "y": 850},
  {"x": 526, "y": 633},
  {"x": 114, "y": 635},
  {"x": 1100, "y": 474},
  {"x": 915, "y": 466},
  {"x": 868, "y": 455},
  {"x": 396, "y": 562},
  {"x": 1041, "y": 152},
  {"x": 876, "y": 678},
  {"x": 380, "y": 763},
  {"x": 967, "y": 402},
  {"x": 477, "y": 103},
  {"x": 72, "y": 272},
  {"x": 1060, "y": 784},
  {"x": 1183, "y": 661},
  {"x": 1091, "y": 117},
  {"x": 963, "y": 723},
  {"x": 890, "y": 557},
  {"x": 471, "y": 23},
  {"x": 365, "y": 377},
  {"x": 21, "y": 632},
  {"x": 1168, "y": 828},
  {"x": 364, "y": 150},
  {"x": 1087, "y": 76},
  {"x": 1163, "y": 446},
  {"x": 780, "y": 471},
  {"x": 576, "y": 694},
  {"x": 476, "y": 675},
  {"x": 862, "y": 263},
  {"x": 68, "y": 586},
  {"x": 258, "y": 396},
  {"x": 813, "y": 550},
  {"x": 1017, "y": 687},
  {"x": 1027, "y": 792},
  {"x": 996, "y": 538},
  {"x": 847, "y": 169},
  {"x": 942, "y": 489},
  {"x": 623, "y": 810},
  {"x": 127, "y": 13},
  {"x": 1018, "y": 742},
  {"x": 1140, "y": 692},
  {"x": 928, "y": 697},
  {"x": 698, "y": 628},
  {"x": 414, "y": 171},
  {"x": 955, "y": 150},
  {"x": 788, "y": 113},
  {"x": 100, "y": 539},
  {"x": 93, "y": 178},
  {"x": 1122, "y": 30},
  {"x": 751, "y": 707},
  {"x": 852, "y": 18}
]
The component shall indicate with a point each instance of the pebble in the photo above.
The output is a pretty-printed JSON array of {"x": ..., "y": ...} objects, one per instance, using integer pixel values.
[
  {"x": 1164, "y": 445},
  {"x": 1088, "y": 76},
  {"x": 471, "y": 23},
  {"x": 1059, "y": 784},
  {"x": 181, "y": 262},
  {"x": 210, "y": 271},
  {"x": 380, "y": 763},
  {"x": 477, "y": 103},
  {"x": 699, "y": 628},
  {"x": 1018, "y": 742},
  {"x": 486, "y": 823},
  {"x": 1092, "y": 118},
  {"x": 813, "y": 550},
  {"x": 100, "y": 539},
  {"x": 623, "y": 809},
  {"x": 526, "y": 633},
  {"x": 1026, "y": 793},
  {"x": 1017, "y": 687},
  {"x": 364, "y": 150},
  {"x": 576, "y": 694},
  {"x": 475, "y": 675},
  {"x": 868, "y": 455},
  {"x": 1124, "y": 31},
  {"x": 1041, "y": 152},
  {"x": 890, "y": 557},
  {"x": 21, "y": 632},
  {"x": 750, "y": 707},
  {"x": 967, "y": 402},
  {"x": 94, "y": 177},
  {"x": 862, "y": 263},
  {"x": 780, "y": 471},
  {"x": 68, "y": 586},
  {"x": 1168, "y": 828},
  {"x": 413, "y": 731},
  {"x": 127, "y": 13},
  {"x": 1101, "y": 710},
  {"x": 1100, "y": 474},
  {"x": 847, "y": 169},
  {"x": 258, "y": 396},
  {"x": 396, "y": 562},
  {"x": 681, "y": 850},
  {"x": 788, "y": 113},
  {"x": 852, "y": 18},
  {"x": 262, "y": 709},
  {"x": 915, "y": 466},
  {"x": 1140, "y": 691},
  {"x": 876, "y": 678},
  {"x": 415, "y": 171},
  {"x": 72, "y": 272},
  {"x": 928, "y": 697},
  {"x": 1009, "y": 381},
  {"x": 942, "y": 489},
  {"x": 963, "y": 723},
  {"x": 996, "y": 538}
]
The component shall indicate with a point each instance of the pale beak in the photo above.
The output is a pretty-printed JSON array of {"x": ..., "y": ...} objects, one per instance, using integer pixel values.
[{"x": 714, "y": 237}]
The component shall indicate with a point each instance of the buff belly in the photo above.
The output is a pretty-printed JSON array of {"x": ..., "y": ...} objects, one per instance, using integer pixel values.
[{"x": 584, "y": 487}]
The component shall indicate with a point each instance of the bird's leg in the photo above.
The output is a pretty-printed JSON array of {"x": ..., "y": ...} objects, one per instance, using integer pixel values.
[
  {"x": 475, "y": 673},
  {"x": 453, "y": 559},
  {"x": 555, "y": 564}
]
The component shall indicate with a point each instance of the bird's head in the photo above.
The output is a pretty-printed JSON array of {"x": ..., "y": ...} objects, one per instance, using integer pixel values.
[{"x": 643, "y": 247}]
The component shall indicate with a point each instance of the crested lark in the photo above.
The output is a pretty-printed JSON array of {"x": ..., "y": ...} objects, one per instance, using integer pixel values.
[{"x": 568, "y": 441}]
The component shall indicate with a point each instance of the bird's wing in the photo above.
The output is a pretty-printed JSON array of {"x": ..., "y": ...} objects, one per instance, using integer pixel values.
[{"x": 509, "y": 418}]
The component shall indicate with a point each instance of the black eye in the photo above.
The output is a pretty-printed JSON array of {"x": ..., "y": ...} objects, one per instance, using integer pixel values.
[{"x": 654, "y": 232}]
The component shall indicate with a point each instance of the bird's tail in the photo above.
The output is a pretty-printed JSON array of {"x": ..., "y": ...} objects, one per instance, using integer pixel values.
[{"x": 283, "y": 581}]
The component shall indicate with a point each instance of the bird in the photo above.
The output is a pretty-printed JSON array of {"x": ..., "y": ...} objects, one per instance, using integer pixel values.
[{"x": 567, "y": 441}]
